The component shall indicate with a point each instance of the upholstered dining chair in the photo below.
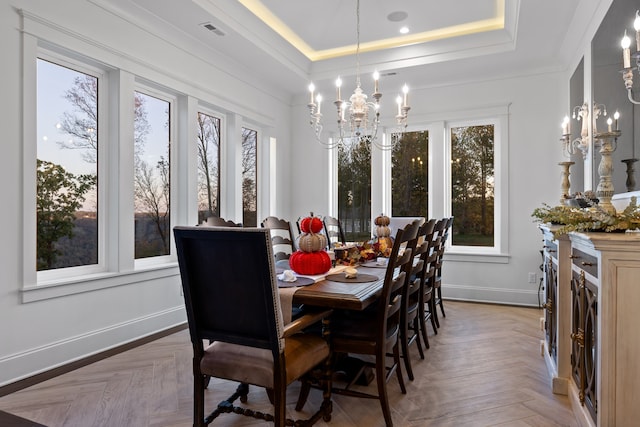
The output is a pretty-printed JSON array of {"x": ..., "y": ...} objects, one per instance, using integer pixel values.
[
  {"x": 238, "y": 310},
  {"x": 281, "y": 237},
  {"x": 216, "y": 221},
  {"x": 333, "y": 230},
  {"x": 375, "y": 331}
]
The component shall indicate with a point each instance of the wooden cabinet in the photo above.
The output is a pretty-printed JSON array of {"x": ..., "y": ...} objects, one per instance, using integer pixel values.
[
  {"x": 597, "y": 324},
  {"x": 556, "y": 346}
]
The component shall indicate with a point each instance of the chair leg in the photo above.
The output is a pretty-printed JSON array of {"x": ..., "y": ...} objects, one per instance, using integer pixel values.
[
  {"x": 404, "y": 340},
  {"x": 198, "y": 400},
  {"x": 396, "y": 361},
  {"x": 305, "y": 387},
  {"x": 434, "y": 314},
  {"x": 416, "y": 331},
  {"x": 440, "y": 301},
  {"x": 381, "y": 379}
]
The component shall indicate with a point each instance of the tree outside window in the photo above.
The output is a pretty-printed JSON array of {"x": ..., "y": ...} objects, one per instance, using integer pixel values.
[
  {"x": 354, "y": 189},
  {"x": 208, "y": 142},
  {"x": 152, "y": 177},
  {"x": 249, "y": 177},
  {"x": 472, "y": 185},
  {"x": 409, "y": 175},
  {"x": 66, "y": 195}
]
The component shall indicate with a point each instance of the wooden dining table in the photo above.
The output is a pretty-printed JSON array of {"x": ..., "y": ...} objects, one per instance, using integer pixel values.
[{"x": 348, "y": 295}]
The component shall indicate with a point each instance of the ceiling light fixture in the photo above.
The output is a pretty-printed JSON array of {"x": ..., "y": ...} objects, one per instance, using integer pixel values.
[{"x": 358, "y": 119}]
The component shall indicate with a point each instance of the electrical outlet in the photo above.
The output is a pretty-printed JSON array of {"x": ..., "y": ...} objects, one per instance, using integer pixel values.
[{"x": 532, "y": 277}]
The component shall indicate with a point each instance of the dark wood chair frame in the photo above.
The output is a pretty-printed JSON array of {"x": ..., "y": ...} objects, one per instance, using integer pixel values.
[
  {"x": 216, "y": 221},
  {"x": 237, "y": 306},
  {"x": 277, "y": 240},
  {"x": 376, "y": 330},
  {"x": 426, "y": 307},
  {"x": 333, "y": 230}
]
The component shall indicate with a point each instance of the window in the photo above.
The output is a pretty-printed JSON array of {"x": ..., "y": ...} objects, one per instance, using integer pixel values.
[
  {"x": 67, "y": 167},
  {"x": 354, "y": 189},
  {"x": 152, "y": 172},
  {"x": 472, "y": 185},
  {"x": 208, "y": 142},
  {"x": 409, "y": 175},
  {"x": 249, "y": 177}
]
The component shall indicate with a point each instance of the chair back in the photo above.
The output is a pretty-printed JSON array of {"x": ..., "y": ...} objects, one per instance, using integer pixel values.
[
  {"x": 281, "y": 237},
  {"x": 225, "y": 300},
  {"x": 216, "y": 221},
  {"x": 395, "y": 281},
  {"x": 333, "y": 230}
]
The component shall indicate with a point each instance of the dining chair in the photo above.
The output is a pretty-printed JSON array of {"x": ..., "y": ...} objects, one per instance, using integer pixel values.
[
  {"x": 436, "y": 259},
  {"x": 375, "y": 331},
  {"x": 414, "y": 295},
  {"x": 216, "y": 221},
  {"x": 446, "y": 229},
  {"x": 281, "y": 237},
  {"x": 424, "y": 251},
  {"x": 333, "y": 230},
  {"x": 238, "y": 310}
]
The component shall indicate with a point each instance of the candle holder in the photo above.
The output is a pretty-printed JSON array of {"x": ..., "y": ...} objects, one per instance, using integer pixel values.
[
  {"x": 608, "y": 142},
  {"x": 565, "y": 184},
  {"x": 631, "y": 179}
]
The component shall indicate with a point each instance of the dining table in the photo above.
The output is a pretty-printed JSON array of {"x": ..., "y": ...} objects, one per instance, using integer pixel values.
[{"x": 334, "y": 289}]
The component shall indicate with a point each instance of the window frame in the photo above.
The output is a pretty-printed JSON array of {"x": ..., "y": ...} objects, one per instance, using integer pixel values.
[
  {"x": 171, "y": 98},
  {"x": 88, "y": 67},
  {"x": 439, "y": 175},
  {"x": 202, "y": 108}
]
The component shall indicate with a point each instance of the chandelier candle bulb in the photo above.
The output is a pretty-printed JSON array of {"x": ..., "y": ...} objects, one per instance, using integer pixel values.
[
  {"x": 565, "y": 125},
  {"x": 405, "y": 90},
  {"x": 338, "y": 85},
  {"x": 319, "y": 101},
  {"x": 616, "y": 116},
  {"x": 626, "y": 53},
  {"x": 609, "y": 123},
  {"x": 399, "y": 101},
  {"x": 636, "y": 26},
  {"x": 312, "y": 88},
  {"x": 376, "y": 77}
]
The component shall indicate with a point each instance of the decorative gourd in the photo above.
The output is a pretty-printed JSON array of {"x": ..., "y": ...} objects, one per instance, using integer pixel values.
[
  {"x": 310, "y": 262},
  {"x": 311, "y": 224},
  {"x": 311, "y": 242},
  {"x": 382, "y": 222},
  {"x": 382, "y": 219}
]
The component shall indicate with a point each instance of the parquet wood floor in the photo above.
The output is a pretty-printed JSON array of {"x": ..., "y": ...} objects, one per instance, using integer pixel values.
[{"x": 483, "y": 369}]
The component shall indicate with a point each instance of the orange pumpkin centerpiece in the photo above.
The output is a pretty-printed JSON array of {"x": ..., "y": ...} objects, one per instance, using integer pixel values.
[
  {"x": 311, "y": 258},
  {"x": 383, "y": 233}
]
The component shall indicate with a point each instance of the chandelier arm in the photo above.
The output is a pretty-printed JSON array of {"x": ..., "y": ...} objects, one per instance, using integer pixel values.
[{"x": 630, "y": 95}]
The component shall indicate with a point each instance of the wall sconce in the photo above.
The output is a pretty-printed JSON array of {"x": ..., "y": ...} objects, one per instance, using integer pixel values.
[{"x": 627, "y": 72}]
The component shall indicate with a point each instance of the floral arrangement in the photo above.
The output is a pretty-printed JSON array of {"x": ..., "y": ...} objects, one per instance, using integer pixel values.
[
  {"x": 594, "y": 218},
  {"x": 353, "y": 255}
]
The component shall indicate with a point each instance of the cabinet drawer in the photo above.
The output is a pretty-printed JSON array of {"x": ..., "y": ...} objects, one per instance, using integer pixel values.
[{"x": 588, "y": 263}]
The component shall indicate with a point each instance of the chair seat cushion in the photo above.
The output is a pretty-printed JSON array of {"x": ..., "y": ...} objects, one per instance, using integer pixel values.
[
  {"x": 255, "y": 366},
  {"x": 352, "y": 330}
]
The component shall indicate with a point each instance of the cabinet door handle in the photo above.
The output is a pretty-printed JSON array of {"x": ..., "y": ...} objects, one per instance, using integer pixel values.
[
  {"x": 587, "y": 264},
  {"x": 573, "y": 256}
]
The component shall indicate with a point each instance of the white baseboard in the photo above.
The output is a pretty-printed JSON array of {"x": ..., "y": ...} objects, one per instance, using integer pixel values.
[
  {"x": 527, "y": 298},
  {"x": 49, "y": 356}
]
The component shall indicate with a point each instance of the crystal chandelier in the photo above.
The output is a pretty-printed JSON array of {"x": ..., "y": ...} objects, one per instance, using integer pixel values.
[{"x": 358, "y": 118}]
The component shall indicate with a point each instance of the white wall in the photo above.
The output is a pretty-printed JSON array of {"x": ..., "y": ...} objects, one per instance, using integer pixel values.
[
  {"x": 38, "y": 336},
  {"x": 536, "y": 108}
]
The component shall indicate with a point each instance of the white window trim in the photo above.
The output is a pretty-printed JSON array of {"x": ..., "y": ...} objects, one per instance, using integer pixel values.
[
  {"x": 60, "y": 275},
  {"x": 172, "y": 100},
  {"x": 501, "y": 221},
  {"x": 439, "y": 204}
]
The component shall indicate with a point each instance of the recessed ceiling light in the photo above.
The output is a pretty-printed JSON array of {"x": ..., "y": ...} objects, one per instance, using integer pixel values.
[
  {"x": 404, "y": 30},
  {"x": 397, "y": 16}
]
